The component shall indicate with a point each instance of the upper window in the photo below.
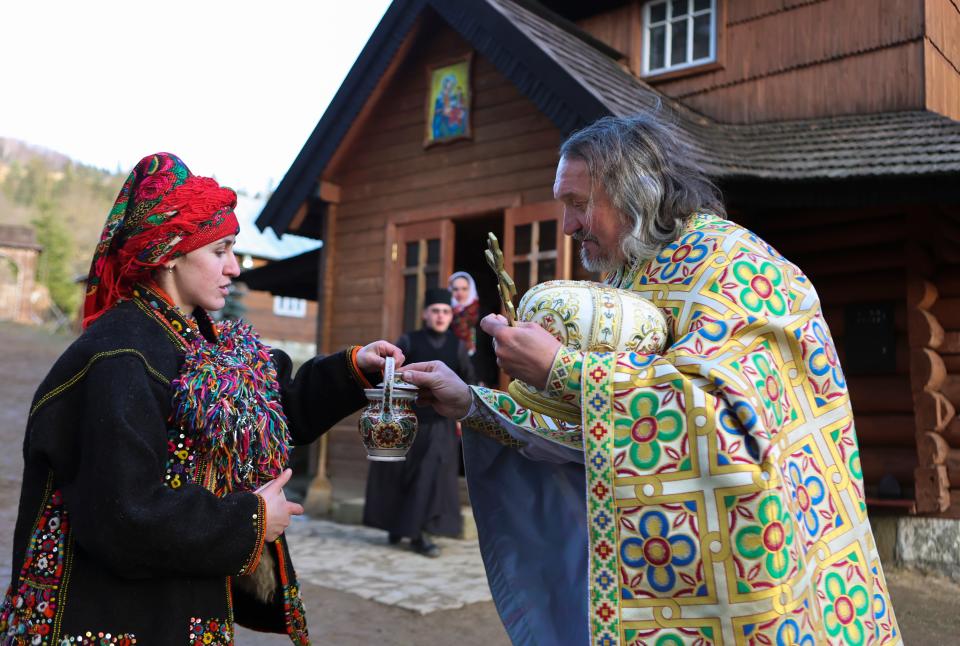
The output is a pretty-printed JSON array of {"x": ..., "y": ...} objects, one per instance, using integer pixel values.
[{"x": 678, "y": 34}]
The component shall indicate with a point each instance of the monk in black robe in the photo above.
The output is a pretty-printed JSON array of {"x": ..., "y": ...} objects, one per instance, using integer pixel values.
[{"x": 421, "y": 495}]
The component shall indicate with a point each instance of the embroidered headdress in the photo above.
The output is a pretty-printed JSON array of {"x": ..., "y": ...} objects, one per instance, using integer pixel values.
[{"x": 163, "y": 211}]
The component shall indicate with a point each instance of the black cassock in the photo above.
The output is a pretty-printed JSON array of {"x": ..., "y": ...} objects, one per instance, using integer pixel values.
[{"x": 422, "y": 493}]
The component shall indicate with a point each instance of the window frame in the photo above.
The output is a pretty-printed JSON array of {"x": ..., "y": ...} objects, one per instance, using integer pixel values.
[
  {"x": 692, "y": 65},
  {"x": 290, "y": 307}
]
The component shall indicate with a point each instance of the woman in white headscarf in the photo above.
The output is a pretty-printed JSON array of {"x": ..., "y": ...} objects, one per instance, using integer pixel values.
[{"x": 466, "y": 308}]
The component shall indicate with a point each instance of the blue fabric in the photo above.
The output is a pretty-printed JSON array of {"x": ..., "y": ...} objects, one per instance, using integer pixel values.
[{"x": 532, "y": 525}]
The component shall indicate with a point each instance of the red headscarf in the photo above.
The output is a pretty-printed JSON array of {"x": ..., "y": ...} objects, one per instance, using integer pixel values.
[{"x": 163, "y": 211}]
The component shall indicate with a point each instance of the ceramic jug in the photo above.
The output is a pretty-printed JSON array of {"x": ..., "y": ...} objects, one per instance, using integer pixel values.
[{"x": 388, "y": 424}]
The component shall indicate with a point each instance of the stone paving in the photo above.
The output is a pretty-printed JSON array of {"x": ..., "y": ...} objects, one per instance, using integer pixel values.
[{"x": 358, "y": 560}]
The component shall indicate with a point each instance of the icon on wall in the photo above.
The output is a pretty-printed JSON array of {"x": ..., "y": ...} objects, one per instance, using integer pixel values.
[{"x": 448, "y": 101}]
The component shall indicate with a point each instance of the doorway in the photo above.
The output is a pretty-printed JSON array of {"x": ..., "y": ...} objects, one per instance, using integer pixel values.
[{"x": 470, "y": 242}]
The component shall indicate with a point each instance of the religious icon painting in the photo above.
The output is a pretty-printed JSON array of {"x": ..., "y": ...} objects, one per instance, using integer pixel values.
[{"x": 449, "y": 97}]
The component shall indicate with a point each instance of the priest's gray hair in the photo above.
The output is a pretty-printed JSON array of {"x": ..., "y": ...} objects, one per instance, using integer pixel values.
[{"x": 650, "y": 176}]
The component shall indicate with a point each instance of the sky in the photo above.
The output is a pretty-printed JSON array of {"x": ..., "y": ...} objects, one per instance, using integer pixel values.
[{"x": 233, "y": 88}]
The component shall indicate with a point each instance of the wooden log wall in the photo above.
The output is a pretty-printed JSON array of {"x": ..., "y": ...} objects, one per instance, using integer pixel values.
[
  {"x": 858, "y": 257},
  {"x": 798, "y": 59},
  {"x": 933, "y": 411},
  {"x": 943, "y": 436},
  {"x": 384, "y": 172}
]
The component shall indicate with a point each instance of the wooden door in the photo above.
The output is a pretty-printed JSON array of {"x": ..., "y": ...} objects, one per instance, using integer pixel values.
[
  {"x": 534, "y": 247},
  {"x": 421, "y": 257}
]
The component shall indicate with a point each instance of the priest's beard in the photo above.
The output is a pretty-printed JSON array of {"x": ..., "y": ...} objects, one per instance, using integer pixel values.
[{"x": 605, "y": 261}]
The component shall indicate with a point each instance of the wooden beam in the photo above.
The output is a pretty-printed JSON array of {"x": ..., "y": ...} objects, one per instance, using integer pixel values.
[
  {"x": 951, "y": 389},
  {"x": 636, "y": 39},
  {"x": 953, "y": 511},
  {"x": 952, "y": 462},
  {"x": 932, "y": 411},
  {"x": 459, "y": 208},
  {"x": 932, "y": 488},
  {"x": 947, "y": 311},
  {"x": 949, "y": 281},
  {"x": 880, "y": 394},
  {"x": 932, "y": 449},
  {"x": 925, "y": 330},
  {"x": 319, "y": 496},
  {"x": 927, "y": 371},
  {"x": 950, "y": 343},
  {"x": 886, "y": 430},
  {"x": 329, "y": 192},
  {"x": 298, "y": 218},
  {"x": 360, "y": 122},
  {"x": 951, "y": 433},
  {"x": 921, "y": 294},
  {"x": 893, "y": 461}
]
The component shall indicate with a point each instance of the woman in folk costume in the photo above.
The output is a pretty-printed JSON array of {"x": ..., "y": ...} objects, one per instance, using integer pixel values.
[
  {"x": 466, "y": 318},
  {"x": 152, "y": 507},
  {"x": 466, "y": 309}
]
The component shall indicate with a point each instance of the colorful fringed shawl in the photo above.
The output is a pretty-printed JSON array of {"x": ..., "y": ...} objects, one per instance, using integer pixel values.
[{"x": 227, "y": 396}]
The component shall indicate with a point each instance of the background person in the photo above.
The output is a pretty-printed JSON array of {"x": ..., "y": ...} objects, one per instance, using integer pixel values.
[
  {"x": 422, "y": 493},
  {"x": 466, "y": 309}
]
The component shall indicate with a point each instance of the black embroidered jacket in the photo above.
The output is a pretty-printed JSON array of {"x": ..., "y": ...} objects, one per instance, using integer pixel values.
[{"x": 104, "y": 545}]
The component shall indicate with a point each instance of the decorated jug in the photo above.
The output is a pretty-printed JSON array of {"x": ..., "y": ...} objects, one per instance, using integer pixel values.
[{"x": 388, "y": 423}]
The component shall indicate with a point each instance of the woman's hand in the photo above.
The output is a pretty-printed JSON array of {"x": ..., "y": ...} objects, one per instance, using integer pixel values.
[
  {"x": 525, "y": 351},
  {"x": 440, "y": 387},
  {"x": 278, "y": 510},
  {"x": 371, "y": 356}
]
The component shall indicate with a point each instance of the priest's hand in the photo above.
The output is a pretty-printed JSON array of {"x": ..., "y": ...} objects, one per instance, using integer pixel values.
[
  {"x": 278, "y": 509},
  {"x": 525, "y": 351},
  {"x": 440, "y": 387},
  {"x": 371, "y": 356}
]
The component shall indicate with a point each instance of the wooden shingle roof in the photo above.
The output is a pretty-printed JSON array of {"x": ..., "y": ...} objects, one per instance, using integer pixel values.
[{"x": 899, "y": 143}]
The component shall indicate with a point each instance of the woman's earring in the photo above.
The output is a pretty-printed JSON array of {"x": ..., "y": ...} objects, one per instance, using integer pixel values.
[{"x": 170, "y": 269}]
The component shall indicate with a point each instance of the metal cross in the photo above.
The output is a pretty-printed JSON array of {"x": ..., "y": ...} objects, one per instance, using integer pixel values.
[{"x": 507, "y": 288}]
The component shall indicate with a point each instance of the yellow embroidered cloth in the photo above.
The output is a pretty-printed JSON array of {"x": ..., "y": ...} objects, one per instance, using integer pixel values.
[{"x": 724, "y": 496}]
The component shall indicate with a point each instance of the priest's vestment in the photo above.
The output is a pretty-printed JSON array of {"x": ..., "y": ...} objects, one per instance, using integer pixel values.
[{"x": 711, "y": 494}]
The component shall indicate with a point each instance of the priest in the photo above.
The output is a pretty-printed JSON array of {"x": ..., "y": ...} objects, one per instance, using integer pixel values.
[{"x": 711, "y": 493}]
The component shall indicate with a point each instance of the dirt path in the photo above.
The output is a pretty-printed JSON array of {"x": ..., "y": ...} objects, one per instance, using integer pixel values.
[{"x": 927, "y": 606}]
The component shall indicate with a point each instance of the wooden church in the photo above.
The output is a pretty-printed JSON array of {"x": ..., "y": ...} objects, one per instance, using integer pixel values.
[{"x": 830, "y": 126}]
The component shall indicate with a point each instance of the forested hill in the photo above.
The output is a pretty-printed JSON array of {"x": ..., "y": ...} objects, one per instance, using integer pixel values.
[{"x": 64, "y": 201}]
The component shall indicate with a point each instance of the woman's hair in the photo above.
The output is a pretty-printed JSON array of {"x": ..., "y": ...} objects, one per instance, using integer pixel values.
[{"x": 649, "y": 175}]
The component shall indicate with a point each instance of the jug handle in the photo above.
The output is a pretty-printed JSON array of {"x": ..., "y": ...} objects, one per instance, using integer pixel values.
[{"x": 388, "y": 370}]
